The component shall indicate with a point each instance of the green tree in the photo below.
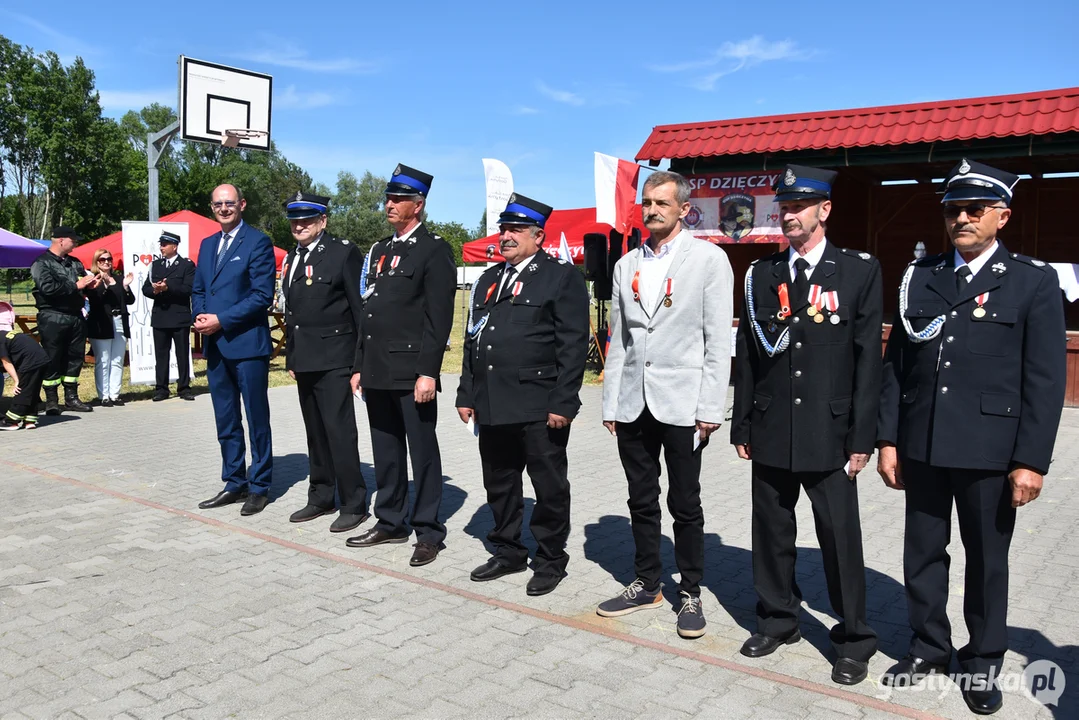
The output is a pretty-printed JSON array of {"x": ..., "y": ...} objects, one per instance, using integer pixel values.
[
  {"x": 357, "y": 212},
  {"x": 454, "y": 233}
]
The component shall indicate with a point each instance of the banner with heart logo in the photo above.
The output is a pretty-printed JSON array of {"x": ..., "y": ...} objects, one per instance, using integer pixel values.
[{"x": 141, "y": 248}]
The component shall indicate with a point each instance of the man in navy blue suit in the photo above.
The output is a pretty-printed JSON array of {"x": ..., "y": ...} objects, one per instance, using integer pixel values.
[{"x": 234, "y": 286}]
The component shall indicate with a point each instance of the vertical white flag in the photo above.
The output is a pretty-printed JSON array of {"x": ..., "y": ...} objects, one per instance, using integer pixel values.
[
  {"x": 499, "y": 188},
  {"x": 563, "y": 250}
]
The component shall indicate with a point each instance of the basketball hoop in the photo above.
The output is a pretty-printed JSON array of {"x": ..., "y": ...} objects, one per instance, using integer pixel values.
[{"x": 232, "y": 138}]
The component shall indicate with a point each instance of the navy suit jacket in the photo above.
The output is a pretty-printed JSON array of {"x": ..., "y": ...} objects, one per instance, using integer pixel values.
[{"x": 239, "y": 290}]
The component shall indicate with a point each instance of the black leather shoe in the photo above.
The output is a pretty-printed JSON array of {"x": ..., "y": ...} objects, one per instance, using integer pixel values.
[
  {"x": 106, "y": 403},
  {"x": 118, "y": 402},
  {"x": 984, "y": 702},
  {"x": 254, "y": 505},
  {"x": 159, "y": 396},
  {"x": 910, "y": 671},
  {"x": 310, "y": 512},
  {"x": 496, "y": 568},
  {"x": 542, "y": 583},
  {"x": 759, "y": 645},
  {"x": 848, "y": 671},
  {"x": 347, "y": 521},
  {"x": 223, "y": 498},
  {"x": 424, "y": 554},
  {"x": 187, "y": 395},
  {"x": 372, "y": 537}
]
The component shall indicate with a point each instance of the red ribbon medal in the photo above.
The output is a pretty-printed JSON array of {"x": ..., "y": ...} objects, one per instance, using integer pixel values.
[
  {"x": 979, "y": 312},
  {"x": 784, "y": 302},
  {"x": 667, "y": 294},
  {"x": 378, "y": 270},
  {"x": 636, "y": 285},
  {"x": 490, "y": 291}
]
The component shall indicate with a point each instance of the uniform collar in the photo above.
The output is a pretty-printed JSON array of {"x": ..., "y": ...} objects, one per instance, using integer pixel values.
[
  {"x": 813, "y": 257},
  {"x": 408, "y": 235},
  {"x": 977, "y": 263}
]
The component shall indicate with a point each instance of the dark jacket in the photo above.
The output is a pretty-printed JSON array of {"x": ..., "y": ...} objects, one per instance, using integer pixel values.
[
  {"x": 172, "y": 308},
  {"x": 106, "y": 303},
  {"x": 323, "y": 317},
  {"x": 528, "y": 360},
  {"x": 807, "y": 408},
  {"x": 986, "y": 393},
  {"x": 408, "y": 313},
  {"x": 55, "y": 287}
]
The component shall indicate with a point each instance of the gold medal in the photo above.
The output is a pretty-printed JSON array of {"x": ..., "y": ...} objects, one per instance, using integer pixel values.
[
  {"x": 309, "y": 281},
  {"x": 667, "y": 301},
  {"x": 811, "y": 310},
  {"x": 818, "y": 318},
  {"x": 979, "y": 312}
]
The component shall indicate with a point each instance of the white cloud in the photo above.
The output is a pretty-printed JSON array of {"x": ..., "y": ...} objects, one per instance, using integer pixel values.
[
  {"x": 731, "y": 57},
  {"x": 290, "y": 99},
  {"x": 562, "y": 96},
  {"x": 66, "y": 47},
  {"x": 123, "y": 100},
  {"x": 290, "y": 56},
  {"x": 525, "y": 110}
]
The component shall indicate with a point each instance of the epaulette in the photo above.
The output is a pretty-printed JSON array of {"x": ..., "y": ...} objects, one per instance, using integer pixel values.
[
  {"x": 344, "y": 242},
  {"x": 1030, "y": 261},
  {"x": 436, "y": 237},
  {"x": 860, "y": 254}
]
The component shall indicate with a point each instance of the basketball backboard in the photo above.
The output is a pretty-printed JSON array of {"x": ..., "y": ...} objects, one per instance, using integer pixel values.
[{"x": 216, "y": 98}]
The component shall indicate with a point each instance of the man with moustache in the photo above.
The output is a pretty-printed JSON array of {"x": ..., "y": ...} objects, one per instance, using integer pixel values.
[
  {"x": 169, "y": 284},
  {"x": 806, "y": 383},
  {"x": 409, "y": 282},
  {"x": 665, "y": 388},
  {"x": 974, "y": 378},
  {"x": 323, "y": 315},
  {"x": 232, "y": 292},
  {"x": 523, "y": 364}
]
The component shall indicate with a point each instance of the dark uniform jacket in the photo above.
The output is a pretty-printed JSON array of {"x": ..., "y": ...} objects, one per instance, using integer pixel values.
[
  {"x": 529, "y": 358},
  {"x": 172, "y": 308},
  {"x": 408, "y": 313},
  {"x": 107, "y": 302},
  {"x": 806, "y": 408},
  {"x": 23, "y": 351},
  {"x": 55, "y": 281},
  {"x": 323, "y": 318},
  {"x": 987, "y": 392}
]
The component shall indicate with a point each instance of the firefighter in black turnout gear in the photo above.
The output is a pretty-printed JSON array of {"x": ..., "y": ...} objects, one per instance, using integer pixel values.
[{"x": 59, "y": 282}]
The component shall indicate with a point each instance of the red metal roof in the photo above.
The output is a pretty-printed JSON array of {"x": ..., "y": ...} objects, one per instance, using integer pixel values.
[{"x": 1038, "y": 113}]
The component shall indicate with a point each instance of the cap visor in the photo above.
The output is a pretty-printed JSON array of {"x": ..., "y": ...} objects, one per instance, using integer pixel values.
[{"x": 971, "y": 192}]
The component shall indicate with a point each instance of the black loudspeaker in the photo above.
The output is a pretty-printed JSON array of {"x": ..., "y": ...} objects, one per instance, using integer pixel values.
[
  {"x": 614, "y": 253},
  {"x": 634, "y": 240},
  {"x": 595, "y": 256}
]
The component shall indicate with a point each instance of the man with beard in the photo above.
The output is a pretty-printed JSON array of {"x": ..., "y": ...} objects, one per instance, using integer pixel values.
[
  {"x": 974, "y": 379},
  {"x": 523, "y": 366},
  {"x": 806, "y": 384},
  {"x": 409, "y": 283}
]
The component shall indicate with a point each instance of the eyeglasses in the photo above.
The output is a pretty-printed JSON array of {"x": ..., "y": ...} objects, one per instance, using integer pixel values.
[
  {"x": 219, "y": 204},
  {"x": 974, "y": 211},
  {"x": 104, "y": 260}
]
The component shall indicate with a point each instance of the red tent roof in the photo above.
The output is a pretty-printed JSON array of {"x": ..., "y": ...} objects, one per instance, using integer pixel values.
[
  {"x": 575, "y": 223},
  {"x": 199, "y": 228},
  {"x": 1037, "y": 113}
]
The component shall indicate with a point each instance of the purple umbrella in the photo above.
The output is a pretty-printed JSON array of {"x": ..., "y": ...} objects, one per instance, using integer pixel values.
[{"x": 16, "y": 251}]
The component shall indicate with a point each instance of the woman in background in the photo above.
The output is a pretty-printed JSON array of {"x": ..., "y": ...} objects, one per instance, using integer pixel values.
[{"x": 107, "y": 327}]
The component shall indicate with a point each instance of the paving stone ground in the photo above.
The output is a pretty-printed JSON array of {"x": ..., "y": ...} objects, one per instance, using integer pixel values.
[{"x": 119, "y": 598}]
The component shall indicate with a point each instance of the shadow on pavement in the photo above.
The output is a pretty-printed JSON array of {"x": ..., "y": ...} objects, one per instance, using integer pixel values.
[{"x": 288, "y": 470}]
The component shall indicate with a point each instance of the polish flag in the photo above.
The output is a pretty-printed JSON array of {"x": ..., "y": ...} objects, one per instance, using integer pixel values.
[{"x": 616, "y": 191}]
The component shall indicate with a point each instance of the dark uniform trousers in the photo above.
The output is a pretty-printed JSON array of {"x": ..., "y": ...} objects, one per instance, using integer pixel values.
[
  {"x": 835, "y": 514},
  {"x": 63, "y": 338},
  {"x": 164, "y": 340},
  {"x": 986, "y": 523},
  {"x": 505, "y": 452},
  {"x": 639, "y": 445},
  {"x": 401, "y": 427},
  {"x": 332, "y": 441},
  {"x": 25, "y": 405}
]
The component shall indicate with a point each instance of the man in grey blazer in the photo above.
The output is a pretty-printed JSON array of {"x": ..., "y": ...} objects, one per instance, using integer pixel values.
[{"x": 665, "y": 387}]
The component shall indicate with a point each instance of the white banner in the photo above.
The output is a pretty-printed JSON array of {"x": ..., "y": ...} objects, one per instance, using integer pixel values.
[
  {"x": 499, "y": 188},
  {"x": 141, "y": 248}
]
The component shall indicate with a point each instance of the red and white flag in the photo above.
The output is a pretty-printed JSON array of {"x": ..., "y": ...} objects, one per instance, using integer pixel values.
[{"x": 616, "y": 191}]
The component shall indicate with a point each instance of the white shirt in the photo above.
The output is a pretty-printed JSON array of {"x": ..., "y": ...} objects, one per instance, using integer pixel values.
[
  {"x": 653, "y": 269},
  {"x": 407, "y": 235},
  {"x": 977, "y": 263},
  {"x": 516, "y": 276},
  {"x": 812, "y": 257},
  {"x": 310, "y": 249},
  {"x": 231, "y": 236}
]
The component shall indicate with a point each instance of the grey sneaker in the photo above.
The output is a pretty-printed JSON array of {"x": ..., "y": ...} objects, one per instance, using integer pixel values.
[
  {"x": 691, "y": 617},
  {"x": 632, "y": 599}
]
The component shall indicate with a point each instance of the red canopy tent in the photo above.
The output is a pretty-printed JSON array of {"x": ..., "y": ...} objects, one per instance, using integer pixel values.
[
  {"x": 199, "y": 228},
  {"x": 574, "y": 223}
]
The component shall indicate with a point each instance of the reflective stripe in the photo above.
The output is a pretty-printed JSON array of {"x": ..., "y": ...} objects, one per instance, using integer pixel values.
[
  {"x": 12, "y": 416},
  {"x": 50, "y": 383},
  {"x": 69, "y": 380}
]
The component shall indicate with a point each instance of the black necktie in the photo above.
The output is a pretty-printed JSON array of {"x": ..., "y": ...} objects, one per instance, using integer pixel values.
[
  {"x": 507, "y": 285},
  {"x": 301, "y": 260},
  {"x": 962, "y": 278},
  {"x": 801, "y": 282}
]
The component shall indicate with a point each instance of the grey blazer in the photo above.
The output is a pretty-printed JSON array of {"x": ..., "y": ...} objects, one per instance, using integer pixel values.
[{"x": 677, "y": 359}]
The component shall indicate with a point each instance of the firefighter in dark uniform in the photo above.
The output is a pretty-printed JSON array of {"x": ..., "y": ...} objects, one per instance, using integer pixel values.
[
  {"x": 523, "y": 364},
  {"x": 59, "y": 282},
  {"x": 409, "y": 281},
  {"x": 807, "y": 379},
  {"x": 323, "y": 311},
  {"x": 974, "y": 379}
]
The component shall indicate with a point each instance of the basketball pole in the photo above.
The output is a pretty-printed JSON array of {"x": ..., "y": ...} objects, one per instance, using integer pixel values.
[{"x": 155, "y": 148}]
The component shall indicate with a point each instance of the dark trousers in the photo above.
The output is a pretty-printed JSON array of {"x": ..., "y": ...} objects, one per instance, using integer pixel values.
[
  {"x": 986, "y": 522},
  {"x": 505, "y": 451},
  {"x": 639, "y": 444},
  {"x": 63, "y": 338},
  {"x": 835, "y": 514},
  {"x": 332, "y": 440},
  {"x": 400, "y": 428},
  {"x": 230, "y": 380},
  {"x": 24, "y": 406},
  {"x": 164, "y": 339}
]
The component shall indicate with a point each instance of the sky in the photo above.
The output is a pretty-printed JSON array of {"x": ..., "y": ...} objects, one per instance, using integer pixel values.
[{"x": 542, "y": 86}]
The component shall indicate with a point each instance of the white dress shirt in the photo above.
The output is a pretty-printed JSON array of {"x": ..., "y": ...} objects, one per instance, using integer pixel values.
[
  {"x": 813, "y": 257},
  {"x": 516, "y": 276},
  {"x": 231, "y": 236},
  {"x": 307, "y": 259},
  {"x": 977, "y": 263},
  {"x": 653, "y": 270}
]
